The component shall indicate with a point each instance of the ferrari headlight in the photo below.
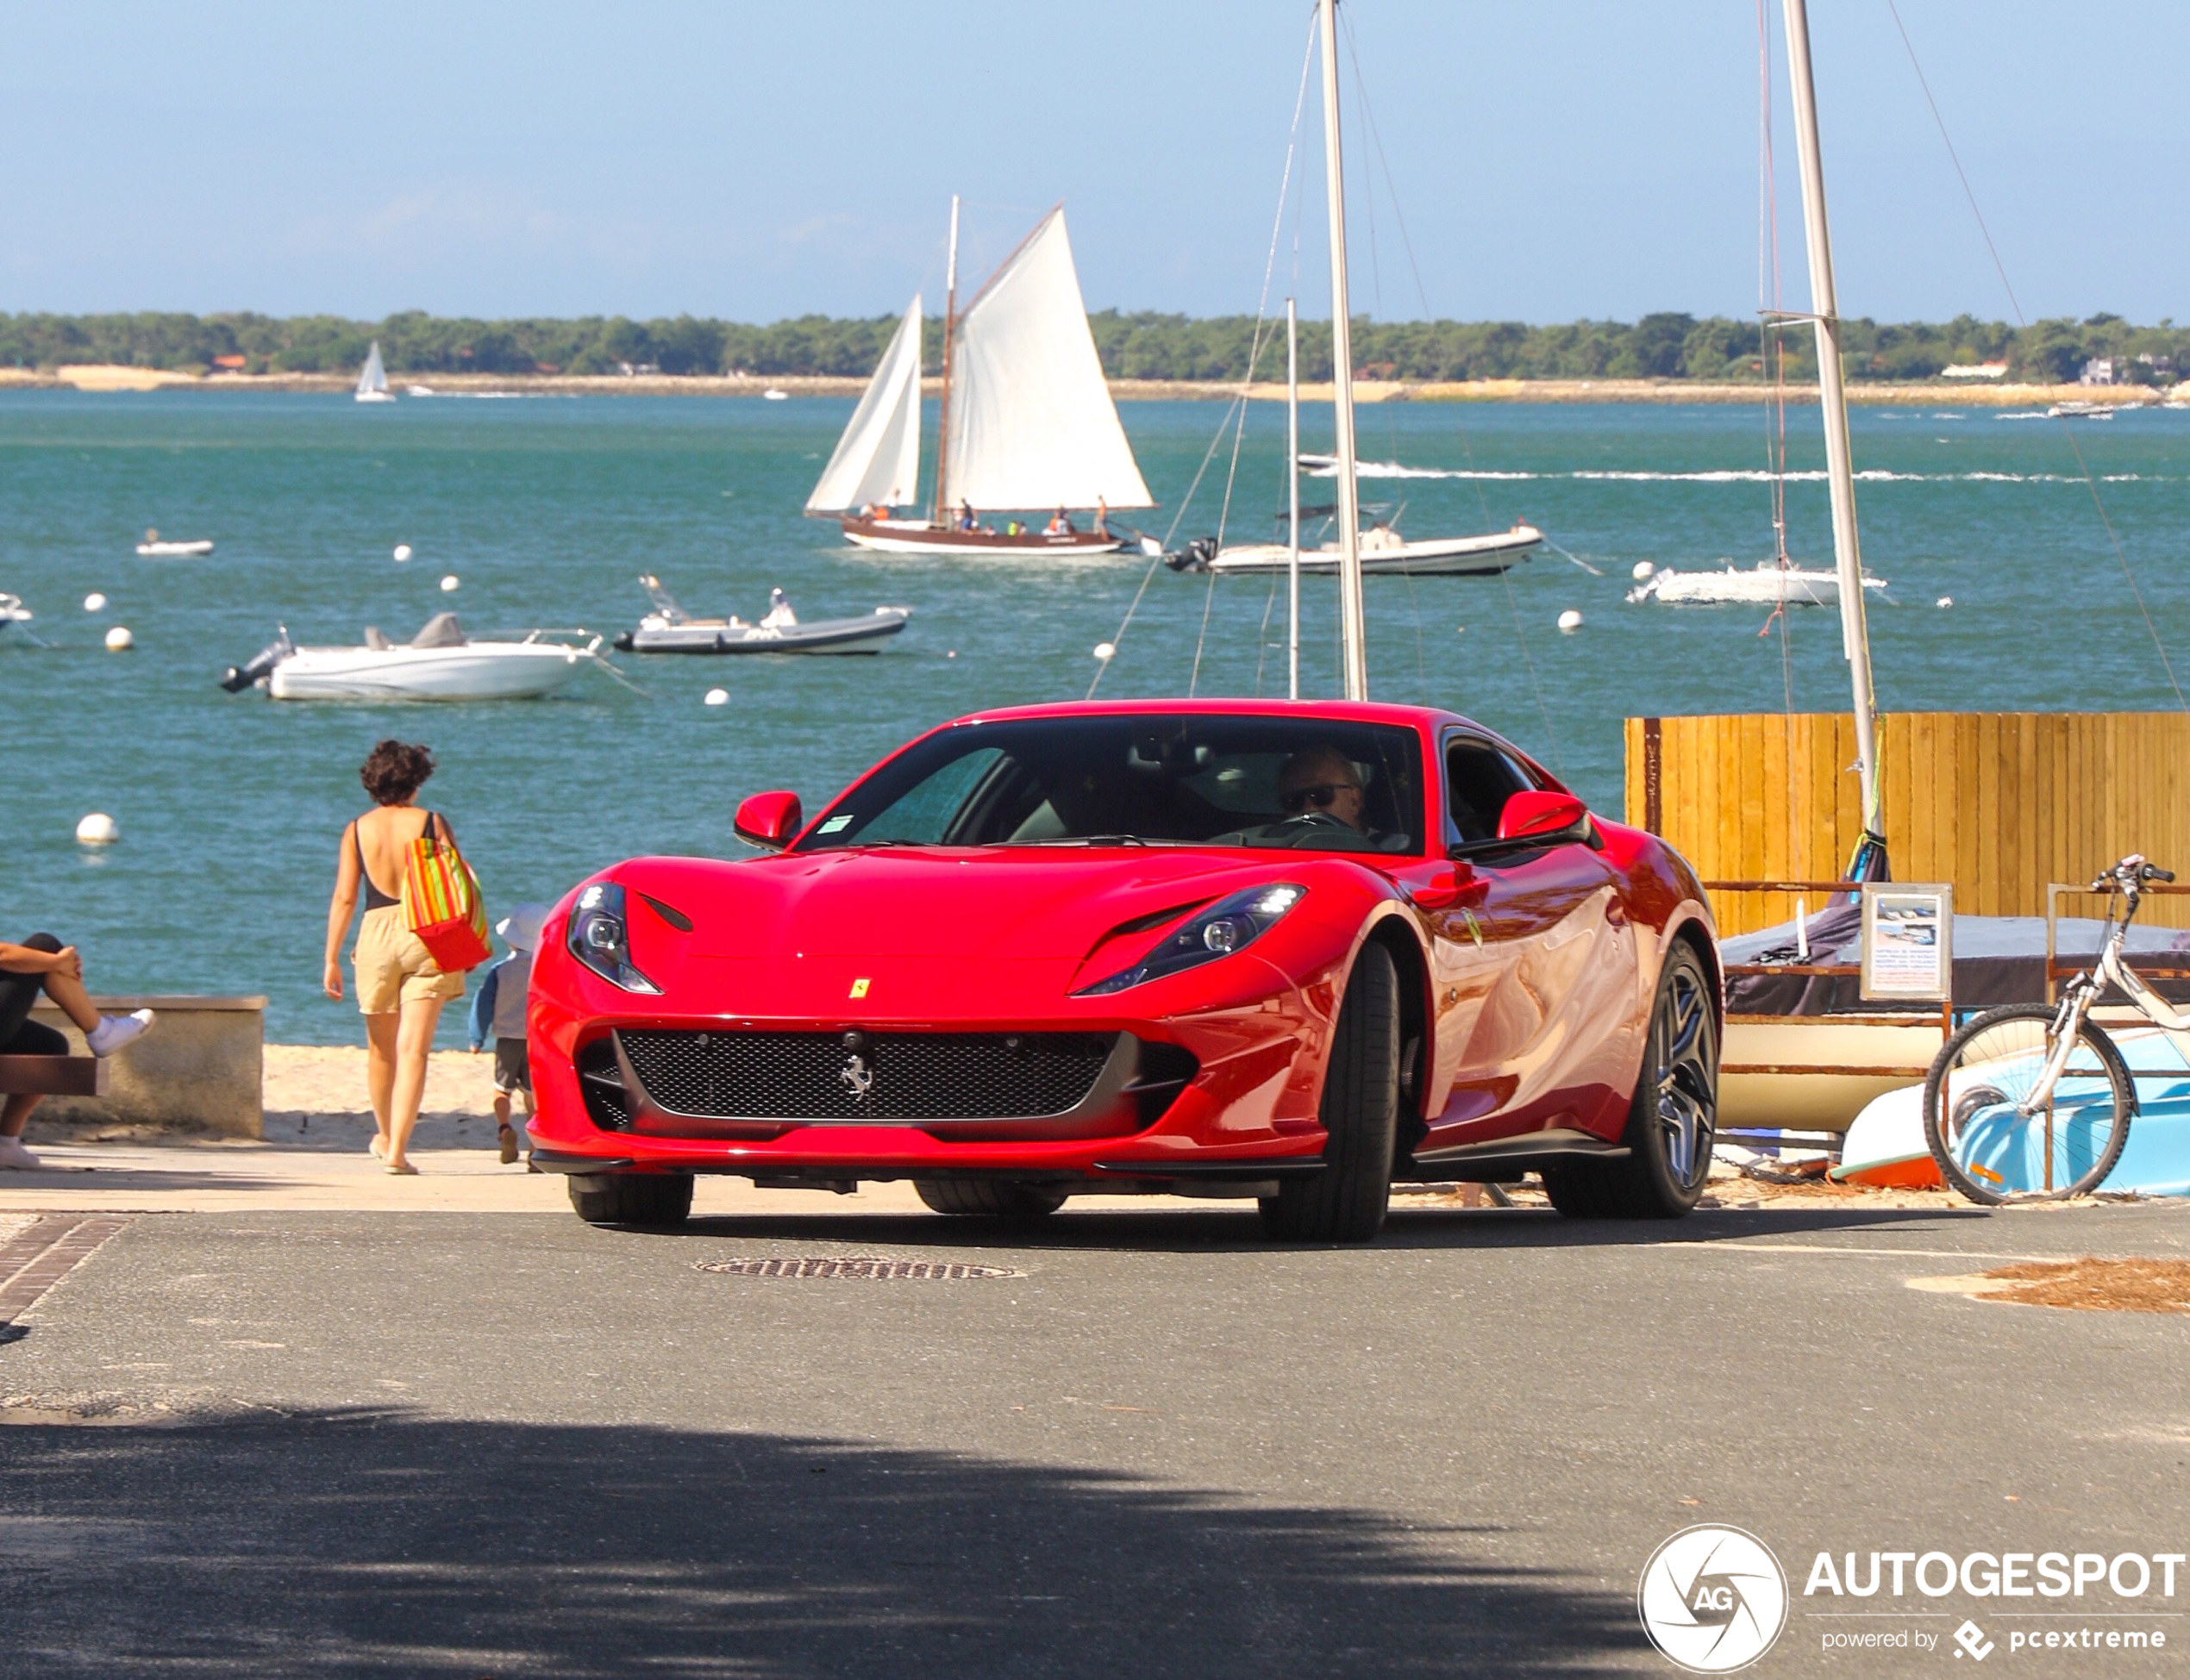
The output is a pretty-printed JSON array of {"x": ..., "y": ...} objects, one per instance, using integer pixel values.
[
  {"x": 600, "y": 937},
  {"x": 1231, "y": 924}
]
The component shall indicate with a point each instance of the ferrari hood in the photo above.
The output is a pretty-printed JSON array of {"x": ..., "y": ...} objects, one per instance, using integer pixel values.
[{"x": 1055, "y": 904}]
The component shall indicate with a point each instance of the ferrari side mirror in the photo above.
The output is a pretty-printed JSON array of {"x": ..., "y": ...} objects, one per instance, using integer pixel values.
[
  {"x": 1538, "y": 814},
  {"x": 769, "y": 821}
]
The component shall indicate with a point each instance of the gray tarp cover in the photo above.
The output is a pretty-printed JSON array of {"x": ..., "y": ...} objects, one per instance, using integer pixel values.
[{"x": 1998, "y": 959}]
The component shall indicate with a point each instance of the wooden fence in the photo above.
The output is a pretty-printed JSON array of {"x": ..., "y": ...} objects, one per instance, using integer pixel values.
[{"x": 1999, "y": 804}]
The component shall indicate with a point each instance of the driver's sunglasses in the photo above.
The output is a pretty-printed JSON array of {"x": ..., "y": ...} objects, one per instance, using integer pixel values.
[{"x": 1323, "y": 796}]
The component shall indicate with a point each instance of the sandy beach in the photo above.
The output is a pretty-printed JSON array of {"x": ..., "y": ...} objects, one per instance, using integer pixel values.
[{"x": 1933, "y": 394}]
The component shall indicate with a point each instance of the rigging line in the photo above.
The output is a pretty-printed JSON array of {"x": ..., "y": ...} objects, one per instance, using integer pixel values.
[
  {"x": 1133, "y": 606},
  {"x": 1558, "y": 758},
  {"x": 2068, "y": 430},
  {"x": 1262, "y": 636},
  {"x": 1208, "y": 600},
  {"x": 1262, "y": 302}
]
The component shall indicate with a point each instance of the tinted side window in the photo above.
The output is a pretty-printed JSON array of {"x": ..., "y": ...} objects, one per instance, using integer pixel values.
[{"x": 1479, "y": 780}]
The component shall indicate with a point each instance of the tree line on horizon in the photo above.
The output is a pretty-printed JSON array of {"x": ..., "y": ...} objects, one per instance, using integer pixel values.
[{"x": 1143, "y": 345}]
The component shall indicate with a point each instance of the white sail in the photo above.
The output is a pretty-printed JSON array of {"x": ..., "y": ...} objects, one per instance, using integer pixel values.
[
  {"x": 877, "y": 459},
  {"x": 1031, "y": 421},
  {"x": 374, "y": 379}
]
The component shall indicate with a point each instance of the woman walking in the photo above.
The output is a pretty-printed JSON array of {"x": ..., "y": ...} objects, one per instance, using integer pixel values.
[{"x": 400, "y": 990}]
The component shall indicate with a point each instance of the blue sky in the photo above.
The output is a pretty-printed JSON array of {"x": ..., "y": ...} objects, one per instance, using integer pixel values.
[{"x": 1552, "y": 160}]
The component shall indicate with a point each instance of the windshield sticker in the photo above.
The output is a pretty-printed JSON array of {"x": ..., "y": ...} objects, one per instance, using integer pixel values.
[{"x": 836, "y": 823}]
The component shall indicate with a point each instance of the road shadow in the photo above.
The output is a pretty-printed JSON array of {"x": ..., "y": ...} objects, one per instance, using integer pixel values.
[
  {"x": 350, "y": 1544},
  {"x": 1234, "y": 1228}
]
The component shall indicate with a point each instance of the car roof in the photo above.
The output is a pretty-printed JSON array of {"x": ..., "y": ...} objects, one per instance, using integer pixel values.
[{"x": 1349, "y": 711}]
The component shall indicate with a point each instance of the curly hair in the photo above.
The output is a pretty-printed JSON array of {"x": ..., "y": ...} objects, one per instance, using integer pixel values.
[{"x": 395, "y": 770}]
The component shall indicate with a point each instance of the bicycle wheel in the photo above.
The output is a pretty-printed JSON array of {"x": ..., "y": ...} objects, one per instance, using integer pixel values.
[{"x": 1988, "y": 1149}]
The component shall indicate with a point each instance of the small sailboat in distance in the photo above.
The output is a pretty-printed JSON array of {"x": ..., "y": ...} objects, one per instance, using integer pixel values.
[
  {"x": 373, "y": 383},
  {"x": 1027, "y": 421}
]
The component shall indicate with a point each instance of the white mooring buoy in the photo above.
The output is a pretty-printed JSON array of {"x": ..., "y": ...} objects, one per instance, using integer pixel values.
[
  {"x": 119, "y": 640},
  {"x": 1106, "y": 651},
  {"x": 1570, "y": 620},
  {"x": 1946, "y": 601},
  {"x": 718, "y": 697},
  {"x": 450, "y": 584},
  {"x": 403, "y": 552},
  {"x": 1642, "y": 571},
  {"x": 95, "y": 602},
  {"x": 99, "y": 829}
]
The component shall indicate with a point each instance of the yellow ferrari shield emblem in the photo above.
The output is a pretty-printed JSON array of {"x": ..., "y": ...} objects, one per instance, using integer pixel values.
[{"x": 860, "y": 986}]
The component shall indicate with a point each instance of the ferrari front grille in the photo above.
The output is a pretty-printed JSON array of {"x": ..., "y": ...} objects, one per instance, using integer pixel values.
[{"x": 910, "y": 1077}]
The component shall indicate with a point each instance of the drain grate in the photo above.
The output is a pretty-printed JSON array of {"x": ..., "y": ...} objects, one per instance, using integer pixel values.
[{"x": 860, "y": 1266}]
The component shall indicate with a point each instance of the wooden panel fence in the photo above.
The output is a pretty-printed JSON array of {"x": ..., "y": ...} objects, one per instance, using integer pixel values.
[{"x": 1997, "y": 803}]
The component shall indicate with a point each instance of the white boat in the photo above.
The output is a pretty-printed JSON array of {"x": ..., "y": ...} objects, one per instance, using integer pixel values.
[
  {"x": 152, "y": 548},
  {"x": 670, "y": 629},
  {"x": 1766, "y": 584},
  {"x": 440, "y": 663},
  {"x": 1027, "y": 421},
  {"x": 1384, "y": 550},
  {"x": 2077, "y": 409},
  {"x": 13, "y": 612},
  {"x": 373, "y": 383}
]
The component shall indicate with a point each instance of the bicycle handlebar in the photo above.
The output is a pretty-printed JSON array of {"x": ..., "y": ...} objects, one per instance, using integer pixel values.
[{"x": 2129, "y": 874}]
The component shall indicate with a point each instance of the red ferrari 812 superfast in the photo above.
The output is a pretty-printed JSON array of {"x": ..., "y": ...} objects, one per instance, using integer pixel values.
[{"x": 1289, "y": 951}]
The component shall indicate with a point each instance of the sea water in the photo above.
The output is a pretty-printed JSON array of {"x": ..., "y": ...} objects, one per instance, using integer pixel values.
[{"x": 547, "y": 510}]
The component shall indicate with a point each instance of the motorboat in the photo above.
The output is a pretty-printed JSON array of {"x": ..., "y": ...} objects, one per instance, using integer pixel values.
[
  {"x": 1766, "y": 584},
  {"x": 372, "y": 379},
  {"x": 13, "y": 612},
  {"x": 1027, "y": 421},
  {"x": 670, "y": 629},
  {"x": 440, "y": 663},
  {"x": 154, "y": 548},
  {"x": 2075, "y": 409},
  {"x": 1383, "y": 550}
]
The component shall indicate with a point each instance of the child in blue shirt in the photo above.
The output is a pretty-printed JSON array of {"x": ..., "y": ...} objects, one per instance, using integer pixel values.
[{"x": 499, "y": 1010}]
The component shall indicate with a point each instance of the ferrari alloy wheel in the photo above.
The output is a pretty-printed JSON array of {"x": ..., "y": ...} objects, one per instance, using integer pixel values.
[
  {"x": 632, "y": 1198},
  {"x": 1673, "y": 1121},
  {"x": 1345, "y": 1201},
  {"x": 990, "y": 1198}
]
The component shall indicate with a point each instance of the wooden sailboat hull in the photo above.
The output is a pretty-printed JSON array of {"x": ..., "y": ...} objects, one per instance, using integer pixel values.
[{"x": 905, "y": 537}]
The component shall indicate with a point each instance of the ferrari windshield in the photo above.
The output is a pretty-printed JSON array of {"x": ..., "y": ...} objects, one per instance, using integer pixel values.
[{"x": 1146, "y": 779}]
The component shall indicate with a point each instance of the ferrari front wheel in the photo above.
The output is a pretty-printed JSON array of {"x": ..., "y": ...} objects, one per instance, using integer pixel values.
[
  {"x": 989, "y": 1198},
  {"x": 1674, "y": 1119},
  {"x": 1345, "y": 1203},
  {"x": 632, "y": 1198}
]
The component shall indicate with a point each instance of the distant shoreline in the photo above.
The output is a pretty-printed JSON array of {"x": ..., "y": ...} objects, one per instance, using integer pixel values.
[{"x": 1935, "y": 393}]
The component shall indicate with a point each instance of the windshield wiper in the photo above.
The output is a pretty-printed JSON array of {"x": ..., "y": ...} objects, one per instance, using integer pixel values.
[{"x": 1095, "y": 839}]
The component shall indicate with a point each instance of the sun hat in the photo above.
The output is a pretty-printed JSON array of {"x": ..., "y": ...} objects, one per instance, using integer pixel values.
[{"x": 521, "y": 928}]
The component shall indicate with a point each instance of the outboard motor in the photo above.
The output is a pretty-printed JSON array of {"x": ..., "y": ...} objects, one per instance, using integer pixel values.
[
  {"x": 237, "y": 678},
  {"x": 1194, "y": 557}
]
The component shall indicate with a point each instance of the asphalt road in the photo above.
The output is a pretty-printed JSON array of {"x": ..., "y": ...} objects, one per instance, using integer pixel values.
[{"x": 457, "y": 1445}]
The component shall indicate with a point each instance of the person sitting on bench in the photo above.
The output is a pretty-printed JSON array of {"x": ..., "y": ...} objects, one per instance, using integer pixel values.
[{"x": 42, "y": 963}]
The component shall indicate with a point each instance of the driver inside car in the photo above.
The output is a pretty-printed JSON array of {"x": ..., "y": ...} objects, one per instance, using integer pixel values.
[{"x": 1322, "y": 779}]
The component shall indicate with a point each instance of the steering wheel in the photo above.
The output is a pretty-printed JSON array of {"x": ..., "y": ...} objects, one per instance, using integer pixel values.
[{"x": 1310, "y": 820}]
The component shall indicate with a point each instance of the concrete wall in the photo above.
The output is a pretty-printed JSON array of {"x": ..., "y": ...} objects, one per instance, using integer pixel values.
[{"x": 202, "y": 1064}]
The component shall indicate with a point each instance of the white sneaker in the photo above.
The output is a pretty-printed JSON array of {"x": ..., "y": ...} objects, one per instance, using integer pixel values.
[
  {"x": 13, "y": 1154},
  {"x": 115, "y": 1031}
]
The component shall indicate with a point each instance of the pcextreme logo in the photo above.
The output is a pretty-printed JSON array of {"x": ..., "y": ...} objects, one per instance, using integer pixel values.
[{"x": 1712, "y": 1600}]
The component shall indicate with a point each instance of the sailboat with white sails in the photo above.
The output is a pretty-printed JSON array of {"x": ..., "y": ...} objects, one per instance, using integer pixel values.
[
  {"x": 1027, "y": 421},
  {"x": 373, "y": 383}
]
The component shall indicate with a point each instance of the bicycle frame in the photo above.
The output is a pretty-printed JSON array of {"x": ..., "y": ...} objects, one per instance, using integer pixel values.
[{"x": 2083, "y": 991}]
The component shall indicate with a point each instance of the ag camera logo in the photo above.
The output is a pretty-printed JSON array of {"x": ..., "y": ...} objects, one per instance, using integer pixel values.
[{"x": 1712, "y": 1600}]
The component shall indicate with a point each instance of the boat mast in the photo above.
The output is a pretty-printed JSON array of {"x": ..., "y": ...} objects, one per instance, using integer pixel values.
[
  {"x": 1854, "y": 637},
  {"x": 1341, "y": 355},
  {"x": 1292, "y": 495},
  {"x": 950, "y": 316}
]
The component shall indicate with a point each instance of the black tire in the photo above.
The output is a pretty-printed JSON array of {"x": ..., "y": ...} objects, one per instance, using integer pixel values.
[
  {"x": 656, "y": 1199},
  {"x": 1345, "y": 1203},
  {"x": 990, "y": 1198},
  {"x": 1980, "y": 1067},
  {"x": 1671, "y": 1122}
]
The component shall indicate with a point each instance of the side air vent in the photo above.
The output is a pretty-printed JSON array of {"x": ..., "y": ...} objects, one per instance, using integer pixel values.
[
  {"x": 606, "y": 1101},
  {"x": 1166, "y": 1070}
]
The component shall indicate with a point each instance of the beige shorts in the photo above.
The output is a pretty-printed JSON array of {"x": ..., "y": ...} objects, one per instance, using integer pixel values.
[{"x": 392, "y": 967}]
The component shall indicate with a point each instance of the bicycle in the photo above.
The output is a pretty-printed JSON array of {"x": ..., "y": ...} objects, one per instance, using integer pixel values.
[{"x": 2033, "y": 1102}]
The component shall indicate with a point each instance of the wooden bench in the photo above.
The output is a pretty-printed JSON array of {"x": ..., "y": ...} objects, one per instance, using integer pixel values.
[{"x": 52, "y": 1076}]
